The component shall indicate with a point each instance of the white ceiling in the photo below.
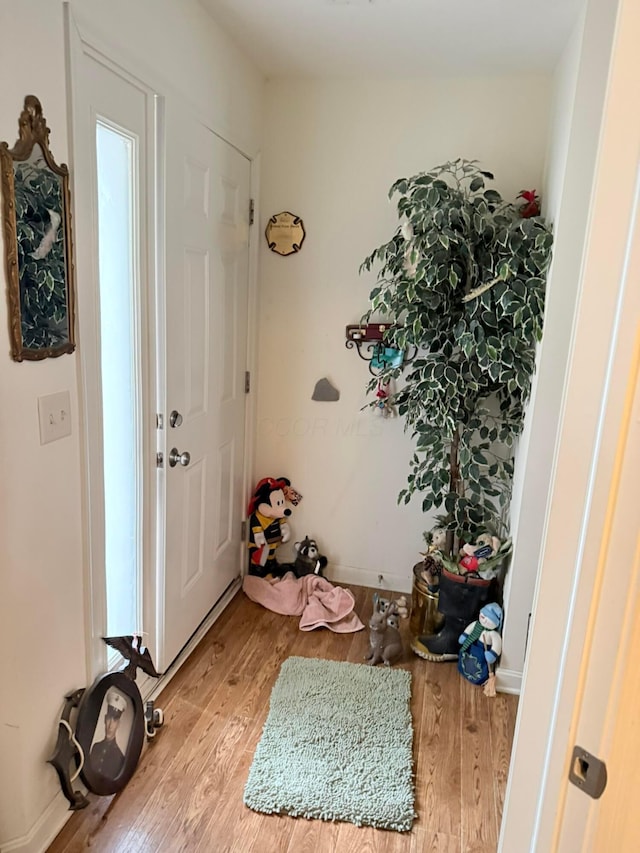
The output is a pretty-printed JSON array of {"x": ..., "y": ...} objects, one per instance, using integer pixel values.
[{"x": 398, "y": 38}]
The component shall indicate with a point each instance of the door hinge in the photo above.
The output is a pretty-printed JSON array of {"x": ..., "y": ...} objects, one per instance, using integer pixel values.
[
  {"x": 252, "y": 211},
  {"x": 243, "y": 531},
  {"x": 247, "y": 382}
]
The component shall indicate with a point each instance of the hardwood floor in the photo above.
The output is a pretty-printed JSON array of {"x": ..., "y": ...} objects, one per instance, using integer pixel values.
[{"x": 186, "y": 794}]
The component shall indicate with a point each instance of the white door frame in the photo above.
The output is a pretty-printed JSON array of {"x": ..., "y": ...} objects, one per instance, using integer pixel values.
[
  {"x": 573, "y": 570},
  {"x": 90, "y": 406},
  {"x": 80, "y": 39}
]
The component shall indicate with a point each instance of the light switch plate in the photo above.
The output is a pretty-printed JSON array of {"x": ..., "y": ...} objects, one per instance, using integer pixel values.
[{"x": 54, "y": 412}]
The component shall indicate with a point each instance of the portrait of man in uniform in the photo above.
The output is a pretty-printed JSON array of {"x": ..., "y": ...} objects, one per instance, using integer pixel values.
[{"x": 107, "y": 754}]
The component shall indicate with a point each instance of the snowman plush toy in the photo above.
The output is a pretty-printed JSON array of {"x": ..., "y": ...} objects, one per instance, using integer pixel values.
[{"x": 481, "y": 645}]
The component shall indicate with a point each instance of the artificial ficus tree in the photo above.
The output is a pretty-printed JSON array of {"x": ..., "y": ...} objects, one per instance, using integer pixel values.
[{"x": 463, "y": 281}]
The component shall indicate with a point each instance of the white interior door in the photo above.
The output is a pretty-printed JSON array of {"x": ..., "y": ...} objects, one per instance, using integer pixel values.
[
  {"x": 185, "y": 198},
  {"x": 207, "y": 238},
  {"x": 606, "y": 715},
  {"x": 607, "y": 721}
]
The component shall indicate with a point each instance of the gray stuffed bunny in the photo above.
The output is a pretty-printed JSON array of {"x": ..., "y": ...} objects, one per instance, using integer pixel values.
[{"x": 384, "y": 637}]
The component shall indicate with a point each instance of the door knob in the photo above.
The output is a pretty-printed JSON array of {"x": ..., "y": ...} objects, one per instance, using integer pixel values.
[
  {"x": 176, "y": 457},
  {"x": 175, "y": 418}
]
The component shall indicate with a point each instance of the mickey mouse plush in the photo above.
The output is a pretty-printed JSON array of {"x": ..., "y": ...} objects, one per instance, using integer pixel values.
[{"x": 267, "y": 525}]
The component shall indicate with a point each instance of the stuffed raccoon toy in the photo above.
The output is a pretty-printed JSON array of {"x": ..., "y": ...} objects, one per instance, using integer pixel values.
[{"x": 308, "y": 560}]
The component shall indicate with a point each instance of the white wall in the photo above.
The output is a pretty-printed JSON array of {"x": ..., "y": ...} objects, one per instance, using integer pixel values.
[
  {"x": 179, "y": 44},
  {"x": 41, "y": 564},
  {"x": 331, "y": 151},
  {"x": 41, "y": 617},
  {"x": 579, "y": 89}
]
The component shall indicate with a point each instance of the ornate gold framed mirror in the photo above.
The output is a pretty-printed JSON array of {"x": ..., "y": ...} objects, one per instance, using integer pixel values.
[{"x": 36, "y": 221}]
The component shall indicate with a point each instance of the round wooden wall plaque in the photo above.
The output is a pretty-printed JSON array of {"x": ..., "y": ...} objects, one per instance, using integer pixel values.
[{"x": 285, "y": 233}]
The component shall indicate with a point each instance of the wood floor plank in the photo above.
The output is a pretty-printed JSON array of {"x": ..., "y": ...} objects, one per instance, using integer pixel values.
[
  {"x": 424, "y": 841},
  {"x": 359, "y": 839},
  {"x": 216, "y": 645},
  {"x": 109, "y": 818},
  {"x": 77, "y": 834},
  {"x": 438, "y": 777},
  {"x": 502, "y": 716},
  {"x": 186, "y": 794},
  {"x": 394, "y": 842},
  {"x": 223, "y": 654},
  {"x": 180, "y": 716},
  {"x": 479, "y": 829},
  {"x": 198, "y": 802},
  {"x": 234, "y": 827},
  {"x": 166, "y": 805},
  {"x": 255, "y": 680},
  {"x": 313, "y": 836}
]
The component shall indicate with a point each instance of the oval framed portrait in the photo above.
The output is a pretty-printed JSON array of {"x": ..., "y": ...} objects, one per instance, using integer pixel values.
[{"x": 110, "y": 729}]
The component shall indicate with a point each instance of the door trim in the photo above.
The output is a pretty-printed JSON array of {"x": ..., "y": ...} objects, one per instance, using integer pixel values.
[
  {"x": 592, "y": 418},
  {"x": 80, "y": 40},
  {"x": 89, "y": 391}
]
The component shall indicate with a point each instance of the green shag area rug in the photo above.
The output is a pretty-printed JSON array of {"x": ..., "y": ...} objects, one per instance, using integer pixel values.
[{"x": 337, "y": 745}]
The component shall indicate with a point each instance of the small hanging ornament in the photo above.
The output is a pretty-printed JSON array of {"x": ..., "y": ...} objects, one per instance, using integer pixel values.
[{"x": 384, "y": 406}]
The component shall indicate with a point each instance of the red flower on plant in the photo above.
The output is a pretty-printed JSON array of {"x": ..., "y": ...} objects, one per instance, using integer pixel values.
[{"x": 531, "y": 205}]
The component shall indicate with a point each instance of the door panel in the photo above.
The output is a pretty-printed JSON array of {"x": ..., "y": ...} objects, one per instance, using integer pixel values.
[
  {"x": 207, "y": 204},
  {"x": 225, "y": 497},
  {"x": 197, "y": 331}
]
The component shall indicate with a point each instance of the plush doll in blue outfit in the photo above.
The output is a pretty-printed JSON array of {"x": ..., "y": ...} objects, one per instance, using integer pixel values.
[{"x": 481, "y": 646}]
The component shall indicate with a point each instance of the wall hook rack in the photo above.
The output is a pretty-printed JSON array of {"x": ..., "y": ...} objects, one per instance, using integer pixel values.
[{"x": 370, "y": 337}]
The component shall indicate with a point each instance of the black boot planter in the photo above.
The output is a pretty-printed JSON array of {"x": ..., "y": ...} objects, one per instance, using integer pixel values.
[
  {"x": 442, "y": 646},
  {"x": 460, "y": 599}
]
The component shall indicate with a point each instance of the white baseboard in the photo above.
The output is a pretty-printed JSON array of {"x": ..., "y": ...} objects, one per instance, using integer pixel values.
[
  {"x": 57, "y": 813},
  {"x": 368, "y": 577},
  {"x": 45, "y": 828},
  {"x": 508, "y": 681}
]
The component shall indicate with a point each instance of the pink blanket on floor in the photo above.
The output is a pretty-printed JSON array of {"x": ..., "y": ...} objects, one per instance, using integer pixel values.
[{"x": 313, "y": 598}]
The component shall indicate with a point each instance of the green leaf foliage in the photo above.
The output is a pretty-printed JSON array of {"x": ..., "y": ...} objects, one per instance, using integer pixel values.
[
  {"x": 464, "y": 278},
  {"x": 41, "y": 272}
]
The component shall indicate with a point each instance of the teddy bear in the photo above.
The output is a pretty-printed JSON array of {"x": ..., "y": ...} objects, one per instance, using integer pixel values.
[
  {"x": 431, "y": 566},
  {"x": 474, "y": 554},
  {"x": 309, "y": 561},
  {"x": 268, "y": 525},
  {"x": 436, "y": 540}
]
